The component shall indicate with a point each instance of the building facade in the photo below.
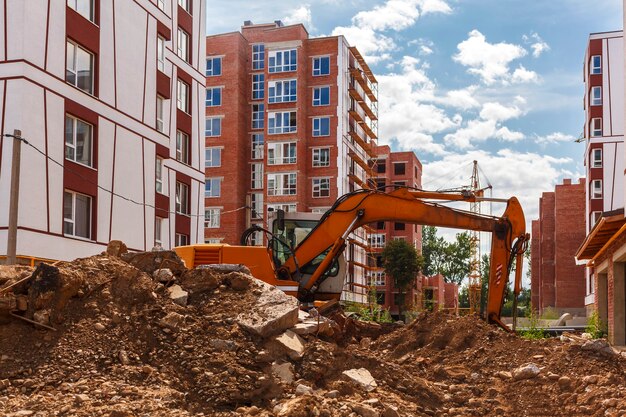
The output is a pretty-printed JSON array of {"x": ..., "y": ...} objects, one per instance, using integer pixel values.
[
  {"x": 109, "y": 93},
  {"x": 556, "y": 281},
  {"x": 290, "y": 124},
  {"x": 392, "y": 169}
]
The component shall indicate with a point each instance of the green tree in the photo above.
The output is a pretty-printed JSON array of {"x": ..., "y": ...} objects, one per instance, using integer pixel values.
[
  {"x": 451, "y": 259},
  {"x": 402, "y": 264}
]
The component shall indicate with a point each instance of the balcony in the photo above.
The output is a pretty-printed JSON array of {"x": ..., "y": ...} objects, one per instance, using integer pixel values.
[
  {"x": 364, "y": 145},
  {"x": 356, "y": 158}
]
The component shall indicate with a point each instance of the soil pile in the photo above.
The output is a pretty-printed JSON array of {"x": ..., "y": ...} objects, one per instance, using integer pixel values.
[{"x": 140, "y": 340}]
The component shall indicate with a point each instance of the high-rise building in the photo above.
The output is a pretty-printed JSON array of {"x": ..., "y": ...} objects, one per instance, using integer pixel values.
[
  {"x": 290, "y": 124},
  {"x": 109, "y": 93}
]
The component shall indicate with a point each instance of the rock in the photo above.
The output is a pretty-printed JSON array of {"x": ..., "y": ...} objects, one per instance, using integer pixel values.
[
  {"x": 332, "y": 394},
  {"x": 292, "y": 343},
  {"x": 365, "y": 343},
  {"x": 504, "y": 375},
  {"x": 200, "y": 280},
  {"x": 311, "y": 326},
  {"x": 227, "y": 268},
  {"x": 172, "y": 321},
  {"x": 42, "y": 316},
  {"x": 163, "y": 275},
  {"x": 362, "y": 377},
  {"x": 527, "y": 371},
  {"x": 178, "y": 295},
  {"x": 21, "y": 413},
  {"x": 4, "y": 383},
  {"x": 116, "y": 248},
  {"x": 149, "y": 262},
  {"x": 302, "y": 316},
  {"x": 597, "y": 345},
  {"x": 123, "y": 357},
  {"x": 590, "y": 379},
  {"x": 565, "y": 382},
  {"x": 81, "y": 398},
  {"x": 303, "y": 390},
  {"x": 587, "y": 336},
  {"x": 223, "y": 345},
  {"x": 273, "y": 312},
  {"x": 283, "y": 371},
  {"x": 21, "y": 302},
  {"x": 365, "y": 410},
  {"x": 238, "y": 281},
  {"x": 553, "y": 377},
  {"x": 610, "y": 402},
  {"x": 390, "y": 411}
]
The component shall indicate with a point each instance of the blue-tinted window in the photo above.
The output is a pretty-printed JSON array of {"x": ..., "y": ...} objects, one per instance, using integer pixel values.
[
  {"x": 321, "y": 126},
  {"x": 213, "y": 67},
  {"x": 258, "y": 86},
  {"x": 321, "y": 65},
  {"x": 213, "y": 126},
  {"x": 282, "y": 61},
  {"x": 321, "y": 96},
  {"x": 258, "y": 116},
  {"x": 282, "y": 91},
  {"x": 258, "y": 57},
  {"x": 213, "y": 96}
]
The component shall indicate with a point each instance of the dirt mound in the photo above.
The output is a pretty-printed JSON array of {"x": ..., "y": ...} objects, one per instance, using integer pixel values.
[{"x": 124, "y": 345}]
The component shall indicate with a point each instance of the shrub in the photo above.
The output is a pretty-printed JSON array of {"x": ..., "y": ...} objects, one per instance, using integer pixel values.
[{"x": 595, "y": 326}]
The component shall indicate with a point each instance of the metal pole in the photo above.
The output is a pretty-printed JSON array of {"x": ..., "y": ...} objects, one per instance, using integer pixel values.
[{"x": 14, "y": 198}]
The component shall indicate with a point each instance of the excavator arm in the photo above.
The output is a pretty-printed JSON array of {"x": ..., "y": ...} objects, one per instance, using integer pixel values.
[{"x": 403, "y": 205}]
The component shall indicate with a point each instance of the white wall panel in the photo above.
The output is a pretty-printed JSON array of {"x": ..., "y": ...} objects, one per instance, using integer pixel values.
[
  {"x": 106, "y": 59},
  {"x": 149, "y": 157},
  {"x": 616, "y": 81},
  {"x": 15, "y": 28},
  {"x": 106, "y": 139},
  {"x": 56, "y": 151},
  {"x": 35, "y": 19},
  {"x": 149, "y": 116},
  {"x": 5, "y": 169},
  {"x": 56, "y": 39}
]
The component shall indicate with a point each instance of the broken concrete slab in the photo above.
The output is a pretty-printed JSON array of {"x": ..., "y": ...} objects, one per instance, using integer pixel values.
[
  {"x": 292, "y": 344},
  {"x": 149, "y": 262},
  {"x": 283, "y": 371},
  {"x": 163, "y": 275},
  {"x": 172, "y": 320},
  {"x": 200, "y": 280},
  {"x": 311, "y": 326},
  {"x": 178, "y": 295},
  {"x": 362, "y": 377}
]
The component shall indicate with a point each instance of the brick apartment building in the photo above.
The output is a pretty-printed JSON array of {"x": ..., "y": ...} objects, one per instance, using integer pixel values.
[
  {"x": 604, "y": 247},
  {"x": 556, "y": 280},
  {"x": 290, "y": 124},
  {"x": 110, "y": 91},
  {"x": 393, "y": 169}
]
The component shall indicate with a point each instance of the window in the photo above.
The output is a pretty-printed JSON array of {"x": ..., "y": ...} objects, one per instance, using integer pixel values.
[
  {"x": 212, "y": 217},
  {"x": 256, "y": 203},
  {"x": 258, "y": 116},
  {"x": 185, "y": 4},
  {"x": 256, "y": 176},
  {"x": 595, "y": 128},
  {"x": 380, "y": 225},
  {"x": 79, "y": 69},
  {"x": 281, "y": 122},
  {"x": 212, "y": 187},
  {"x": 213, "y": 96},
  {"x": 596, "y": 158},
  {"x": 161, "y": 53},
  {"x": 257, "y": 145},
  {"x": 596, "y": 65},
  {"x": 258, "y": 86},
  {"x": 321, "y": 65},
  {"x": 76, "y": 215},
  {"x": 182, "y": 198},
  {"x": 160, "y": 103},
  {"x": 282, "y": 61},
  {"x": 182, "y": 49},
  {"x": 215, "y": 240},
  {"x": 399, "y": 226},
  {"x": 381, "y": 184},
  {"x": 213, "y": 66},
  {"x": 213, "y": 157},
  {"x": 256, "y": 238},
  {"x": 596, "y": 189},
  {"x": 158, "y": 174},
  {"x": 398, "y": 184},
  {"x": 596, "y": 96},
  {"x": 83, "y": 7},
  {"x": 213, "y": 127},
  {"x": 282, "y": 91},
  {"x": 381, "y": 166},
  {"x": 281, "y": 153},
  {"x": 321, "y": 187},
  {"x": 281, "y": 184},
  {"x": 258, "y": 57},
  {"x": 182, "y": 147},
  {"x": 595, "y": 216},
  {"x": 78, "y": 140},
  {"x": 321, "y": 96},
  {"x": 182, "y": 96},
  {"x": 321, "y": 157},
  {"x": 321, "y": 126},
  {"x": 287, "y": 208},
  {"x": 377, "y": 240},
  {"x": 158, "y": 230},
  {"x": 399, "y": 168},
  {"x": 181, "y": 239}
]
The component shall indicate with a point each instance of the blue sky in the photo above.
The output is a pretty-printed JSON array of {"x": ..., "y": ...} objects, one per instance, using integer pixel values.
[{"x": 499, "y": 81}]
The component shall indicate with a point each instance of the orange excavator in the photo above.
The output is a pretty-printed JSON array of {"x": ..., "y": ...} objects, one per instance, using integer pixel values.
[{"x": 302, "y": 257}]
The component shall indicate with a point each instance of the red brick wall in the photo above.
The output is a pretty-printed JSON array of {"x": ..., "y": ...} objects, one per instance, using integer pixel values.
[
  {"x": 547, "y": 224},
  {"x": 451, "y": 295},
  {"x": 535, "y": 264}
]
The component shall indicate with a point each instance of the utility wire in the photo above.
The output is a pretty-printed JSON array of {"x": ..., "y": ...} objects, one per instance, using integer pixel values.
[{"x": 130, "y": 200}]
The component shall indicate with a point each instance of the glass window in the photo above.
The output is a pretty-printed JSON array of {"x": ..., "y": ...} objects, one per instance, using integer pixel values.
[
  {"x": 321, "y": 126},
  {"x": 212, "y": 217},
  {"x": 213, "y": 66},
  {"x": 76, "y": 215},
  {"x": 381, "y": 166},
  {"x": 182, "y": 147},
  {"x": 399, "y": 168},
  {"x": 258, "y": 116},
  {"x": 256, "y": 203},
  {"x": 596, "y": 96},
  {"x": 257, "y": 145},
  {"x": 281, "y": 122},
  {"x": 595, "y": 216},
  {"x": 321, "y": 187},
  {"x": 182, "y": 96},
  {"x": 596, "y": 64},
  {"x": 281, "y": 153},
  {"x": 183, "y": 45},
  {"x": 281, "y": 183},
  {"x": 213, "y": 96},
  {"x": 212, "y": 187},
  {"x": 256, "y": 176},
  {"x": 83, "y": 7},
  {"x": 596, "y": 189},
  {"x": 321, "y": 65},
  {"x": 321, "y": 157},
  {"x": 213, "y": 127},
  {"x": 182, "y": 198},
  {"x": 321, "y": 96},
  {"x": 185, "y": 4},
  {"x": 79, "y": 67},
  {"x": 213, "y": 157},
  {"x": 158, "y": 231},
  {"x": 596, "y": 158},
  {"x": 160, "y": 53},
  {"x": 181, "y": 239},
  {"x": 160, "y": 103},
  {"x": 258, "y": 57},
  {"x": 282, "y": 91},
  {"x": 282, "y": 61},
  {"x": 78, "y": 140},
  {"x": 287, "y": 208},
  {"x": 258, "y": 86},
  {"x": 158, "y": 182},
  {"x": 595, "y": 128},
  {"x": 377, "y": 240}
]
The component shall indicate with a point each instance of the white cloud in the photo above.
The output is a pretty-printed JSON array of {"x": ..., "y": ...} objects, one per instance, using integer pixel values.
[
  {"x": 537, "y": 44},
  {"x": 487, "y": 60},
  {"x": 461, "y": 99},
  {"x": 522, "y": 75},
  {"x": 374, "y": 46},
  {"x": 555, "y": 137},
  {"x": 498, "y": 112},
  {"x": 302, "y": 15}
]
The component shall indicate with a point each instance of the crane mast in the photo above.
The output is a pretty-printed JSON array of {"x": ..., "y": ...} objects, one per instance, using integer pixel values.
[{"x": 474, "y": 285}]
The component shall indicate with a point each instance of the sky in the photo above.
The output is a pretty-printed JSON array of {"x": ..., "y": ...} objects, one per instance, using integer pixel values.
[{"x": 497, "y": 81}]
